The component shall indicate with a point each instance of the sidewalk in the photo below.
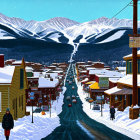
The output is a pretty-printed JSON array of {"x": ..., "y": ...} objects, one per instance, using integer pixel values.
[
  {"x": 43, "y": 125},
  {"x": 122, "y": 123}
]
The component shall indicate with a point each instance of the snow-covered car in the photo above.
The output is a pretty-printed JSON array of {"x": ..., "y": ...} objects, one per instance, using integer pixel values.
[
  {"x": 73, "y": 87},
  {"x": 73, "y": 97},
  {"x": 96, "y": 107},
  {"x": 69, "y": 105},
  {"x": 68, "y": 98},
  {"x": 87, "y": 98},
  {"x": 37, "y": 110},
  {"x": 70, "y": 82},
  {"x": 45, "y": 108},
  {"x": 74, "y": 101}
]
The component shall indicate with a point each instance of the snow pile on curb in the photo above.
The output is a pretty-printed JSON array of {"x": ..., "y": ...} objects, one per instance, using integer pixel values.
[
  {"x": 122, "y": 123},
  {"x": 43, "y": 125}
]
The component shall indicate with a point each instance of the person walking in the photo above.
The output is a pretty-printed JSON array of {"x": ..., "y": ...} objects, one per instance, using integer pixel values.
[
  {"x": 112, "y": 113},
  {"x": 7, "y": 123}
]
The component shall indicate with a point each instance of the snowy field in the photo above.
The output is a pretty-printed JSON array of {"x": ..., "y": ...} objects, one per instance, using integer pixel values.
[
  {"x": 122, "y": 123},
  {"x": 43, "y": 125}
]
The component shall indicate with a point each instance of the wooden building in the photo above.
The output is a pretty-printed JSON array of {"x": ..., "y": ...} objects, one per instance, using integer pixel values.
[
  {"x": 13, "y": 83},
  {"x": 121, "y": 95}
]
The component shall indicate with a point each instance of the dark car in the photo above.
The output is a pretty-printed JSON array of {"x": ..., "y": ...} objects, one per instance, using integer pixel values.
[
  {"x": 74, "y": 101},
  {"x": 73, "y": 97},
  {"x": 45, "y": 108},
  {"x": 37, "y": 110},
  {"x": 68, "y": 98},
  {"x": 69, "y": 105}
]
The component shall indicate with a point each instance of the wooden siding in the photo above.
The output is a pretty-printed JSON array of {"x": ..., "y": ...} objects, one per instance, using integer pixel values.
[{"x": 17, "y": 109}]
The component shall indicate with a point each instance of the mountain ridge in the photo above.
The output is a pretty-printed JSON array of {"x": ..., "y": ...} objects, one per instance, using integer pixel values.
[{"x": 59, "y": 29}]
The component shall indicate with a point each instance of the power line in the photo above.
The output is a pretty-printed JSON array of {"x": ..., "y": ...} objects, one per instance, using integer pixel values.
[{"x": 123, "y": 8}]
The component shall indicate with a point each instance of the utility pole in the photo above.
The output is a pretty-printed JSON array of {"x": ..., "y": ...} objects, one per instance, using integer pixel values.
[{"x": 134, "y": 55}]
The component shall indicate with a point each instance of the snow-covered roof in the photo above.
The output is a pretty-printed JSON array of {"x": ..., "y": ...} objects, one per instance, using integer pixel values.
[
  {"x": 130, "y": 55},
  {"x": 46, "y": 83},
  {"x": 6, "y": 74},
  {"x": 17, "y": 62},
  {"x": 98, "y": 62},
  {"x": 110, "y": 74},
  {"x": 112, "y": 90},
  {"x": 83, "y": 71},
  {"x": 85, "y": 80},
  {"x": 57, "y": 71},
  {"x": 28, "y": 69},
  {"x": 114, "y": 80},
  {"x": 121, "y": 68},
  {"x": 90, "y": 68},
  {"x": 127, "y": 80},
  {"x": 97, "y": 71},
  {"x": 52, "y": 66},
  {"x": 118, "y": 91}
]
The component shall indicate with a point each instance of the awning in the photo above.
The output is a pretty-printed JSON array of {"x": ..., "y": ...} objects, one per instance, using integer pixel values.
[
  {"x": 118, "y": 91},
  {"x": 94, "y": 86},
  {"x": 91, "y": 82}
]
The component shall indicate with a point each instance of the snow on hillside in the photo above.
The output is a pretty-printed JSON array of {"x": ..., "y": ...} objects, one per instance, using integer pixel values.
[
  {"x": 115, "y": 36},
  {"x": 70, "y": 29}
]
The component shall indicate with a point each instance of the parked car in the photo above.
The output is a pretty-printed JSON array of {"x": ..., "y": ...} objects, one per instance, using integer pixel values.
[
  {"x": 73, "y": 87},
  {"x": 74, "y": 101},
  {"x": 68, "y": 97},
  {"x": 73, "y": 97},
  {"x": 69, "y": 105},
  {"x": 45, "y": 108},
  {"x": 96, "y": 107},
  {"x": 37, "y": 110},
  {"x": 86, "y": 98}
]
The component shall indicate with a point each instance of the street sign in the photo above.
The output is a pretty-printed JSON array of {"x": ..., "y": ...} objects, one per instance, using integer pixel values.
[
  {"x": 32, "y": 97},
  {"x": 134, "y": 42},
  {"x": 32, "y": 94},
  {"x": 40, "y": 101},
  {"x": 103, "y": 82}
]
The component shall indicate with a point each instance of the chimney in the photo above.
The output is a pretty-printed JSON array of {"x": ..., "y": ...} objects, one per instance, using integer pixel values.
[{"x": 1, "y": 60}]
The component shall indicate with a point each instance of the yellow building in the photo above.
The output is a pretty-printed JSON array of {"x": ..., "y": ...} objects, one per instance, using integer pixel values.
[{"x": 13, "y": 84}]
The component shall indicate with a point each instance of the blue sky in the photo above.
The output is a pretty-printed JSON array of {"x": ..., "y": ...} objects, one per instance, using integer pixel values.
[{"x": 78, "y": 10}]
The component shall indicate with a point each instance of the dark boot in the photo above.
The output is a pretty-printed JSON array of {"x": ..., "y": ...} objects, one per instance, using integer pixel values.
[{"x": 7, "y": 137}]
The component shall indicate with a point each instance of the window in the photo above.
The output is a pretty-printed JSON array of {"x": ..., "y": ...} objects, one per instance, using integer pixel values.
[
  {"x": 129, "y": 67},
  {"x": 0, "y": 102},
  {"x": 21, "y": 78},
  {"x": 138, "y": 66}
]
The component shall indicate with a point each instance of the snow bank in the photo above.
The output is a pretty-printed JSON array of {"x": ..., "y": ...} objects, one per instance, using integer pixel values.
[
  {"x": 43, "y": 125},
  {"x": 122, "y": 123}
]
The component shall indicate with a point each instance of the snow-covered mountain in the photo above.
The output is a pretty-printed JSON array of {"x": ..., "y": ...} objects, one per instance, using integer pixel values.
[{"x": 63, "y": 30}]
